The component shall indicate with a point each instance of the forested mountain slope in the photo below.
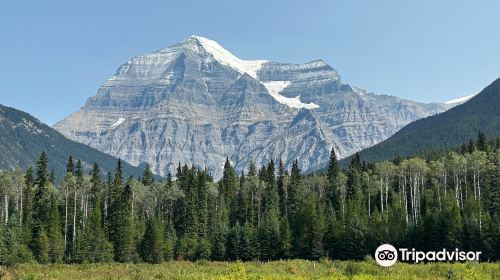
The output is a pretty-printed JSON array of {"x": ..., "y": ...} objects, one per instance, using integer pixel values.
[
  {"x": 23, "y": 137},
  {"x": 443, "y": 131}
]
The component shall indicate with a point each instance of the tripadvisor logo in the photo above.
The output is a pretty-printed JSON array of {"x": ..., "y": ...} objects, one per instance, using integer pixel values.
[{"x": 387, "y": 255}]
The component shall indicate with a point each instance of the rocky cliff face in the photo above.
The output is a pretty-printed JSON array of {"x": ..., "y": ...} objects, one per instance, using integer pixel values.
[{"x": 196, "y": 103}]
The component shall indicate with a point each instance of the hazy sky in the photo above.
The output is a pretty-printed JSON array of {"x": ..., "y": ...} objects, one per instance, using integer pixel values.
[{"x": 55, "y": 54}]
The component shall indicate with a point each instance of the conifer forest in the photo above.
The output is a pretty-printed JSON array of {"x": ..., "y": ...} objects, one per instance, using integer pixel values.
[{"x": 267, "y": 213}]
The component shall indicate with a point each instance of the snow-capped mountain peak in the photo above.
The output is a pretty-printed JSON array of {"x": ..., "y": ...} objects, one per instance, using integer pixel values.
[
  {"x": 225, "y": 57},
  {"x": 196, "y": 103},
  {"x": 250, "y": 67}
]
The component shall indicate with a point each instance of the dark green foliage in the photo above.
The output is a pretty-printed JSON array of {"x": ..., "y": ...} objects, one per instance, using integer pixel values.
[
  {"x": 20, "y": 146},
  {"x": 219, "y": 241},
  {"x": 442, "y": 131},
  {"x": 248, "y": 245},
  {"x": 152, "y": 245},
  {"x": 123, "y": 231},
  {"x": 233, "y": 242},
  {"x": 147, "y": 176},
  {"x": 343, "y": 214},
  {"x": 94, "y": 247},
  {"x": 70, "y": 166},
  {"x": 12, "y": 248},
  {"x": 54, "y": 234},
  {"x": 41, "y": 207}
]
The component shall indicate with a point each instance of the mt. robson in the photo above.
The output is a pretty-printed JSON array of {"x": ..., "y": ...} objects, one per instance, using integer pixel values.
[{"x": 196, "y": 103}]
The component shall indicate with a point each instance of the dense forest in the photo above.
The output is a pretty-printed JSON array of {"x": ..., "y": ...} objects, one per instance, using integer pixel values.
[
  {"x": 442, "y": 131},
  {"x": 21, "y": 134},
  {"x": 268, "y": 213}
]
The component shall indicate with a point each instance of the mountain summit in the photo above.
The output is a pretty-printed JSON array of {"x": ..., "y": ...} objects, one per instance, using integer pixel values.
[{"x": 196, "y": 103}]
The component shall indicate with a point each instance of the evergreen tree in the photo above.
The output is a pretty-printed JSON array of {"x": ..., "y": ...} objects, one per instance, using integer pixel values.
[
  {"x": 282, "y": 188},
  {"x": 27, "y": 210},
  {"x": 252, "y": 169},
  {"x": 269, "y": 236},
  {"x": 233, "y": 243},
  {"x": 147, "y": 176},
  {"x": 152, "y": 245},
  {"x": 70, "y": 166},
  {"x": 41, "y": 202},
  {"x": 94, "y": 245},
  {"x": 353, "y": 184},
  {"x": 118, "y": 175},
  {"x": 228, "y": 182},
  {"x": 12, "y": 248},
  {"x": 356, "y": 162},
  {"x": 96, "y": 181},
  {"x": 271, "y": 197},
  {"x": 471, "y": 147},
  {"x": 123, "y": 231},
  {"x": 286, "y": 239},
  {"x": 52, "y": 177},
  {"x": 317, "y": 231},
  {"x": 247, "y": 247},
  {"x": 54, "y": 234},
  {"x": 332, "y": 173},
  {"x": 481, "y": 142},
  {"x": 170, "y": 241},
  {"x": 219, "y": 240}
]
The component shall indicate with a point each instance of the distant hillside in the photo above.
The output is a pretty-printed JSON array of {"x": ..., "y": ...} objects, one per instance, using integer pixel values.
[
  {"x": 23, "y": 137},
  {"x": 443, "y": 131}
]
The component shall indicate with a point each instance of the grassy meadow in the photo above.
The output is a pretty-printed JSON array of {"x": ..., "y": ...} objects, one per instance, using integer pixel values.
[{"x": 294, "y": 269}]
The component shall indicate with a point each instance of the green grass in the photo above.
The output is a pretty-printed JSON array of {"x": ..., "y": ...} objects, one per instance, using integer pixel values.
[{"x": 295, "y": 269}]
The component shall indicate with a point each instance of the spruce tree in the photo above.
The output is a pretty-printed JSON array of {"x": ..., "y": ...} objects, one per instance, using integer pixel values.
[
  {"x": 147, "y": 176},
  {"x": 248, "y": 246},
  {"x": 219, "y": 242},
  {"x": 271, "y": 197},
  {"x": 52, "y": 177},
  {"x": 152, "y": 245},
  {"x": 170, "y": 241},
  {"x": 332, "y": 173},
  {"x": 481, "y": 142},
  {"x": 96, "y": 181},
  {"x": 41, "y": 202},
  {"x": 123, "y": 231},
  {"x": 269, "y": 236},
  {"x": 353, "y": 184},
  {"x": 282, "y": 188},
  {"x": 471, "y": 147},
  {"x": 118, "y": 175},
  {"x": 286, "y": 239},
  {"x": 233, "y": 243},
  {"x": 70, "y": 166},
  {"x": 94, "y": 245},
  {"x": 228, "y": 182},
  {"x": 27, "y": 211},
  {"x": 54, "y": 234}
]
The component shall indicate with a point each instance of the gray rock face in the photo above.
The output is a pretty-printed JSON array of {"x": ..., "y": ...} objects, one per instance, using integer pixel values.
[{"x": 196, "y": 103}]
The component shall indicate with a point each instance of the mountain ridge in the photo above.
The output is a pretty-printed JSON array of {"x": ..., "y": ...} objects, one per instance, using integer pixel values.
[
  {"x": 186, "y": 104},
  {"x": 23, "y": 137},
  {"x": 480, "y": 113}
]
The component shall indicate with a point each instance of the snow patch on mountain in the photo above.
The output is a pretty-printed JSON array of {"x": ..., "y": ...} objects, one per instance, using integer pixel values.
[
  {"x": 118, "y": 122},
  {"x": 459, "y": 100},
  {"x": 223, "y": 56},
  {"x": 275, "y": 87}
]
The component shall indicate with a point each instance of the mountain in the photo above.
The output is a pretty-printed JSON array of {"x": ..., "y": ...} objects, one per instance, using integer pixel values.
[
  {"x": 460, "y": 100},
  {"x": 481, "y": 113},
  {"x": 197, "y": 103},
  {"x": 23, "y": 137}
]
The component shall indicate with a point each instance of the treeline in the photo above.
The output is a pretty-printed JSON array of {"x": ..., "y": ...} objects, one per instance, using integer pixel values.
[{"x": 268, "y": 213}]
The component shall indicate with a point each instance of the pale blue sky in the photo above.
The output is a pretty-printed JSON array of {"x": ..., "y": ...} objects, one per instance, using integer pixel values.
[{"x": 55, "y": 54}]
